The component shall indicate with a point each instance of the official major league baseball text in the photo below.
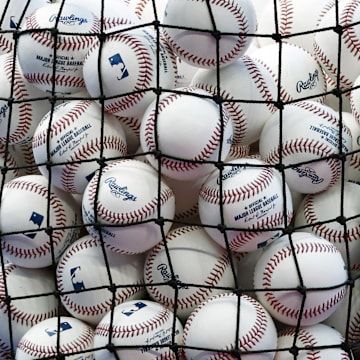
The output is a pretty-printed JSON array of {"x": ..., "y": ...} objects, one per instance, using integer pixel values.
[{"x": 73, "y": 136}]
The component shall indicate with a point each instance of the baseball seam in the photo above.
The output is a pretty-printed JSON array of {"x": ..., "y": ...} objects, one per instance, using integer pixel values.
[
  {"x": 282, "y": 308},
  {"x": 200, "y": 293},
  {"x": 134, "y": 330},
  {"x": 82, "y": 341},
  {"x": 59, "y": 217},
  {"x": 242, "y": 22},
  {"x": 180, "y": 165},
  {"x": 26, "y": 319}
]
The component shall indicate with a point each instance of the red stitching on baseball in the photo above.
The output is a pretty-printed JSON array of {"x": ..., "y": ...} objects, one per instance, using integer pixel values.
[
  {"x": 276, "y": 259},
  {"x": 59, "y": 219},
  {"x": 247, "y": 341},
  {"x": 84, "y": 153},
  {"x": 286, "y": 17},
  {"x": 121, "y": 295},
  {"x": 181, "y": 165},
  {"x": 323, "y": 230},
  {"x": 125, "y": 331},
  {"x": 27, "y": 319},
  {"x": 145, "y": 69},
  {"x": 231, "y": 196},
  {"x": 200, "y": 293},
  {"x": 83, "y": 341},
  {"x": 241, "y": 19}
]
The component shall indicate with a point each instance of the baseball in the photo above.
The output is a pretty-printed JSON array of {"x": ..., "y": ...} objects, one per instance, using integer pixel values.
[
  {"x": 303, "y": 81},
  {"x": 8, "y": 161},
  {"x": 83, "y": 279},
  {"x": 24, "y": 157},
  {"x": 310, "y": 135},
  {"x": 196, "y": 29},
  {"x": 257, "y": 93},
  {"x": 352, "y": 171},
  {"x": 317, "y": 341},
  {"x": 53, "y": 62},
  {"x": 229, "y": 318},
  {"x": 291, "y": 15},
  {"x": 206, "y": 272},
  {"x": 37, "y": 221},
  {"x": 66, "y": 335},
  {"x": 113, "y": 13},
  {"x": 73, "y": 136},
  {"x": 20, "y": 116},
  {"x": 190, "y": 117},
  {"x": 128, "y": 192},
  {"x": 346, "y": 318},
  {"x": 127, "y": 66},
  {"x": 149, "y": 328},
  {"x": 300, "y": 279},
  {"x": 13, "y": 16},
  {"x": 32, "y": 301},
  {"x": 327, "y": 43},
  {"x": 318, "y": 215},
  {"x": 146, "y": 10},
  {"x": 354, "y": 99},
  {"x": 251, "y": 202}
]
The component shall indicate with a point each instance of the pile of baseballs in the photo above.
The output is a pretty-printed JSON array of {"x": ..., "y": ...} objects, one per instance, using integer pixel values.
[{"x": 180, "y": 179}]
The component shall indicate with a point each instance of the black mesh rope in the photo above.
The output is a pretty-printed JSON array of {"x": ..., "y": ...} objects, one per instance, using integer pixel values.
[{"x": 177, "y": 349}]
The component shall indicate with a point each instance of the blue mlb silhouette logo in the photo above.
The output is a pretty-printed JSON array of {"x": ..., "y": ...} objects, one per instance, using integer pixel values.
[{"x": 116, "y": 60}]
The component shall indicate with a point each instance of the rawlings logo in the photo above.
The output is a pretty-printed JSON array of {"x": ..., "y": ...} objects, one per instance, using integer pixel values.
[
  {"x": 68, "y": 19},
  {"x": 3, "y": 111},
  {"x": 166, "y": 275},
  {"x": 309, "y": 173},
  {"x": 309, "y": 84},
  {"x": 119, "y": 191},
  {"x": 235, "y": 169}
]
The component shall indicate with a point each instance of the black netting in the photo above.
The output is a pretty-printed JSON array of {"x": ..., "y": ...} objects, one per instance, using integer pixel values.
[{"x": 180, "y": 179}]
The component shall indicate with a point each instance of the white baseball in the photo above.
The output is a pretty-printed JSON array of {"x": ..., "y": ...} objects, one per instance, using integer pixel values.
[
  {"x": 352, "y": 171},
  {"x": 129, "y": 68},
  {"x": 113, "y": 13},
  {"x": 14, "y": 14},
  {"x": 66, "y": 335},
  {"x": 206, "y": 271},
  {"x": 346, "y": 318},
  {"x": 327, "y": 43},
  {"x": 37, "y": 221},
  {"x": 84, "y": 266},
  {"x": 131, "y": 126},
  {"x": 319, "y": 341},
  {"x": 303, "y": 81},
  {"x": 310, "y": 135},
  {"x": 128, "y": 192},
  {"x": 300, "y": 279},
  {"x": 190, "y": 117},
  {"x": 54, "y": 63},
  {"x": 257, "y": 93},
  {"x": 143, "y": 325},
  {"x": 18, "y": 119},
  {"x": 315, "y": 211},
  {"x": 24, "y": 157},
  {"x": 290, "y": 21},
  {"x": 251, "y": 202},
  {"x": 213, "y": 326},
  {"x": 147, "y": 10},
  {"x": 9, "y": 163},
  {"x": 195, "y": 30},
  {"x": 354, "y": 98},
  {"x": 32, "y": 301},
  {"x": 73, "y": 136}
]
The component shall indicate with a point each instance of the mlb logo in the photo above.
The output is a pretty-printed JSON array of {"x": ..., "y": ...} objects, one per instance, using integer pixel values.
[
  {"x": 116, "y": 60},
  {"x": 63, "y": 326}
]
